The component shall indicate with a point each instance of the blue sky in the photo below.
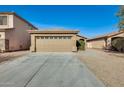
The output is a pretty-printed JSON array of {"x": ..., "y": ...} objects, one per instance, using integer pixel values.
[{"x": 90, "y": 20}]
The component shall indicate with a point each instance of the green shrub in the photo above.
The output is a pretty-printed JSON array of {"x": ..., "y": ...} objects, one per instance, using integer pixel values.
[
  {"x": 81, "y": 45},
  {"x": 118, "y": 44}
]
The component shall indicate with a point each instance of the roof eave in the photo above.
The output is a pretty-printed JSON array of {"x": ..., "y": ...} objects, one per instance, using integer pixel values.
[
  {"x": 52, "y": 32},
  {"x": 5, "y": 29},
  {"x": 97, "y": 38},
  {"x": 82, "y": 36}
]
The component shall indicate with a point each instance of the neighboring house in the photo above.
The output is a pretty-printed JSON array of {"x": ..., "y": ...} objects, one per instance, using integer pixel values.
[
  {"x": 104, "y": 41},
  {"x": 54, "y": 40},
  {"x": 13, "y": 32}
]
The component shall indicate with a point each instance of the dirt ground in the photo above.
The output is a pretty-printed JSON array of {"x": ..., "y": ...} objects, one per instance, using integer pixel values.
[
  {"x": 11, "y": 55},
  {"x": 108, "y": 67}
]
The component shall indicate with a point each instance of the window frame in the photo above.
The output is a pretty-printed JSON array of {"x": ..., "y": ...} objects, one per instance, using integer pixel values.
[{"x": 6, "y": 20}]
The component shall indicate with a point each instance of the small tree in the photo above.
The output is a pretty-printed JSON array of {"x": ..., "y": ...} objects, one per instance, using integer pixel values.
[
  {"x": 118, "y": 44},
  {"x": 81, "y": 45},
  {"x": 120, "y": 14}
]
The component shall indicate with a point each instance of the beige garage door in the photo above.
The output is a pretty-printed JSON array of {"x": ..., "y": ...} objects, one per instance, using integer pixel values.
[{"x": 53, "y": 43}]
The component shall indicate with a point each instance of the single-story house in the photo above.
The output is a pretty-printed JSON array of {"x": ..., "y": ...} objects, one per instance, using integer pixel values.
[
  {"x": 104, "y": 41},
  {"x": 13, "y": 32},
  {"x": 54, "y": 40}
]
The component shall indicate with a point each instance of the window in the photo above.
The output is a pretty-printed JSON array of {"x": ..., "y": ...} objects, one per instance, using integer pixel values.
[
  {"x": 51, "y": 37},
  {"x": 46, "y": 37},
  {"x": 3, "y": 20},
  {"x": 64, "y": 37},
  {"x": 38, "y": 37},
  {"x": 60, "y": 37},
  {"x": 69, "y": 37},
  {"x": 55, "y": 37},
  {"x": 42, "y": 37}
]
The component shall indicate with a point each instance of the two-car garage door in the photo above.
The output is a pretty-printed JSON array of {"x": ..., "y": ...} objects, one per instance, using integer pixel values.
[{"x": 53, "y": 43}]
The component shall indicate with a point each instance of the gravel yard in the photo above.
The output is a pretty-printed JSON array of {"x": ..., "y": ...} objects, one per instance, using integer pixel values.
[
  {"x": 11, "y": 55},
  {"x": 106, "y": 66}
]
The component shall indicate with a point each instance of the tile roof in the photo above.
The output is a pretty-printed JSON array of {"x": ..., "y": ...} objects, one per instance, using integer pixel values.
[{"x": 106, "y": 35}]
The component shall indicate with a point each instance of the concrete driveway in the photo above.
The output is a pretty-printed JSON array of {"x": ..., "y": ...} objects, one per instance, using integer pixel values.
[{"x": 47, "y": 70}]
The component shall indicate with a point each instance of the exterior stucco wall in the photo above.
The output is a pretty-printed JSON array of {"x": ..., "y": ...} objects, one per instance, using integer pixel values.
[
  {"x": 72, "y": 42},
  {"x": 19, "y": 38},
  {"x": 100, "y": 44},
  {"x": 10, "y": 36}
]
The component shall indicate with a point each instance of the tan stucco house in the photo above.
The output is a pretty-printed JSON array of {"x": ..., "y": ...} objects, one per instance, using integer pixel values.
[
  {"x": 54, "y": 40},
  {"x": 104, "y": 41},
  {"x": 13, "y": 32}
]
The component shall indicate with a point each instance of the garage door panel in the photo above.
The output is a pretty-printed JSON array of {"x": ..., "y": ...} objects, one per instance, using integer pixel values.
[{"x": 53, "y": 45}]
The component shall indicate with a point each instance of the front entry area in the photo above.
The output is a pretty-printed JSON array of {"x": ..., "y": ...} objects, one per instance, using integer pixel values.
[
  {"x": 53, "y": 43},
  {"x": 4, "y": 45}
]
